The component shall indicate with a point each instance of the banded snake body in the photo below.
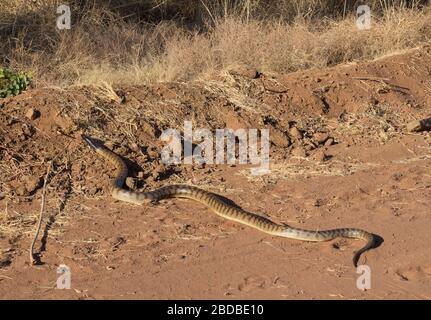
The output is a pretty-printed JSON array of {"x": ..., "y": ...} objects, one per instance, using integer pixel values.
[{"x": 220, "y": 207}]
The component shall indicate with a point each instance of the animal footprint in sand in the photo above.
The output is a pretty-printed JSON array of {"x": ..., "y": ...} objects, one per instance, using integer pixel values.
[
  {"x": 414, "y": 273},
  {"x": 251, "y": 283}
]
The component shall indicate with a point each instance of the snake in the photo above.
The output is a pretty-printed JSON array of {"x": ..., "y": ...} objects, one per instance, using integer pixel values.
[{"x": 220, "y": 206}]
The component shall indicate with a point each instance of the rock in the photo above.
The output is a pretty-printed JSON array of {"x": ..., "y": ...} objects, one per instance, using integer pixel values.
[
  {"x": 419, "y": 125},
  {"x": 152, "y": 152},
  {"x": 131, "y": 183},
  {"x": 21, "y": 191},
  {"x": 150, "y": 180},
  {"x": 32, "y": 114},
  {"x": 280, "y": 139},
  {"x": 158, "y": 171},
  {"x": 320, "y": 156},
  {"x": 26, "y": 185},
  {"x": 93, "y": 190},
  {"x": 32, "y": 183},
  {"x": 64, "y": 125},
  {"x": 109, "y": 144},
  {"x": 27, "y": 130},
  {"x": 320, "y": 137},
  {"x": 244, "y": 71},
  {"x": 310, "y": 146},
  {"x": 295, "y": 133},
  {"x": 329, "y": 142},
  {"x": 148, "y": 128},
  {"x": 299, "y": 152},
  {"x": 134, "y": 147}
]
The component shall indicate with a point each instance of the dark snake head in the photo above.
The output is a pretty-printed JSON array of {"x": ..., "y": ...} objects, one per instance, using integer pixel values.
[{"x": 93, "y": 143}]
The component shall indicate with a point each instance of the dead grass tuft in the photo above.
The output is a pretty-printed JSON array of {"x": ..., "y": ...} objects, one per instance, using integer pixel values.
[{"x": 142, "y": 42}]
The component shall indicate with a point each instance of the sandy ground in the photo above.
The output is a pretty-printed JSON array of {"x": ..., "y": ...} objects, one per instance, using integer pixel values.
[{"x": 353, "y": 164}]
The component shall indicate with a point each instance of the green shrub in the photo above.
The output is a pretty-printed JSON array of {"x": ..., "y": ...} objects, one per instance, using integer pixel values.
[{"x": 12, "y": 83}]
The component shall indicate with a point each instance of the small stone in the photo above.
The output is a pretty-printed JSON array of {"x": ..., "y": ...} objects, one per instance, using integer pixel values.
[
  {"x": 299, "y": 152},
  {"x": 27, "y": 130},
  {"x": 93, "y": 190},
  {"x": 131, "y": 183},
  {"x": 320, "y": 156},
  {"x": 158, "y": 170},
  {"x": 280, "y": 139},
  {"x": 329, "y": 142},
  {"x": 295, "y": 133},
  {"x": 32, "y": 114},
  {"x": 320, "y": 137},
  {"x": 64, "y": 125},
  {"x": 419, "y": 125},
  {"x": 310, "y": 146},
  {"x": 134, "y": 147},
  {"x": 148, "y": 128},
  {"x": 109, "y": 144},
  {"x": 152, "y": 152},
  {"x": 155, "y": 175},
  {"x": 21, "y": 191},
  {"x": 32, "y": 183},
  {"x": 245, "y": 71}
]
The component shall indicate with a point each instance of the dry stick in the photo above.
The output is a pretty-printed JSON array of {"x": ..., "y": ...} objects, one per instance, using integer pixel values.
[
  {"x": 394, "y": 87},
  {"x": 33, "y": 261},
  {"x": 209, "y": 12},
  {"x": 372, "y": 79}
]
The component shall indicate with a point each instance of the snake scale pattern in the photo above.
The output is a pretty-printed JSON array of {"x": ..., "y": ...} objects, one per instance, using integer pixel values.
[{"x": 220, "y": 207}]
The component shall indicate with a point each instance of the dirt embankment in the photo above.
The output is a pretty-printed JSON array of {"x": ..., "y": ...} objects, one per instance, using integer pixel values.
[{"x": 340, "y": 156}]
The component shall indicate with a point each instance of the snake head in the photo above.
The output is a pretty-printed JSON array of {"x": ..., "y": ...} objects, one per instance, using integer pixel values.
[{"x": 93, "y": 143}]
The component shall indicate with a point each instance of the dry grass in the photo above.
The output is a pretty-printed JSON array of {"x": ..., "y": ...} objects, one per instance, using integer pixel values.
[
  {"x": 309, "y": 168},
  {"x": 132, "y": 43}
]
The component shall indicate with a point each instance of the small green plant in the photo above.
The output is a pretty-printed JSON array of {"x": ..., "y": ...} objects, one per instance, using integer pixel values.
[{"x": 12, "y": 83}]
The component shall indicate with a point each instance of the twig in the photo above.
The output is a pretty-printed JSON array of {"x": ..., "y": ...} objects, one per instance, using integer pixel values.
[
  {"x": 372, "y": 79},
  {"x": 209, "y": 12},
  {"x": 384, "y": 81},
  {"x": 33, "y": 260}
]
